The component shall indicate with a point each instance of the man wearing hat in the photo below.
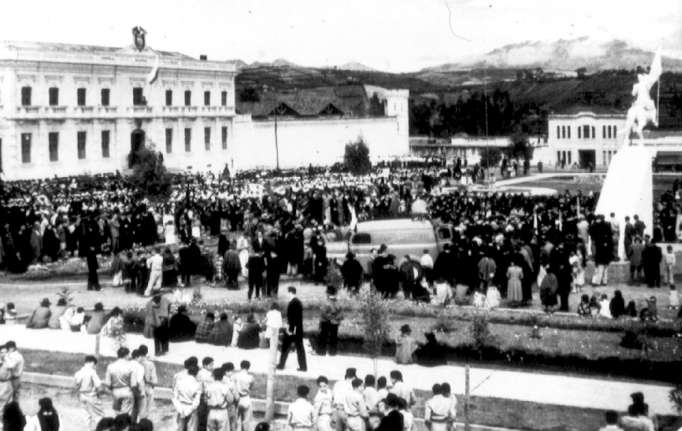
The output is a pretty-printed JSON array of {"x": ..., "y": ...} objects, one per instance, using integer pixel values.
[{"x": 330, "y": 319}]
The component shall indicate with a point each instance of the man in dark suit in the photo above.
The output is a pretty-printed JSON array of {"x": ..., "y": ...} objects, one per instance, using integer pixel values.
[
  {"x": 93, "y": 266},
  {"x": 294, "y": 332}
]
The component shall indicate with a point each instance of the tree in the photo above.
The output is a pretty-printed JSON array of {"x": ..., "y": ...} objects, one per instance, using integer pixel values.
[
  {"x": 356, "y": 157},
  {"x": 249, "y": 94},
  {"x": 377, "y": 107},
  {"x": 149, "y": 173},
  {"x": 374, "y": 312},
  {"x": 519, "y": 146},
  {"x": 490, "y": 157},
  {"x": 581, "y": 72}
]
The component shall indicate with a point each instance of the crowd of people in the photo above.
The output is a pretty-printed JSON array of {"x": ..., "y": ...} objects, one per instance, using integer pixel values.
[
  {"x": 504, "y": 247},
  {"x": 211, "y": 397}
]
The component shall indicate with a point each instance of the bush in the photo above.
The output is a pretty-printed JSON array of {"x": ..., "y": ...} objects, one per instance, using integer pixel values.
[
  {"x": 356, "y": 157},
  {"x": 480, "y": 332},
  {"x": 519, "y": 146},
  {"x": 490, "y": 157},
  {"x": 334, "y": 278},
  {"x": 444, "y": 323},
  {"x": 374, "y": 312}
]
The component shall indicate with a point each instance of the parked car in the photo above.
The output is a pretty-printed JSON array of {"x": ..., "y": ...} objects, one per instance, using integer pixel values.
[{"x": 401, "y": 236}]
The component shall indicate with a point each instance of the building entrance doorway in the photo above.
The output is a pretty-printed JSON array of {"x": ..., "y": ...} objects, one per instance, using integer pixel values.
[
  {"x": 136, "y": 144},
  {"x": 587, "y": 159}
]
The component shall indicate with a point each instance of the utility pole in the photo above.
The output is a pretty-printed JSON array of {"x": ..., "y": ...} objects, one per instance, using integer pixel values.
[
  {"x": 270, "y": 382},
  {"x": 485, "y": 115},
  {"x": 276, "y": 143},
  {"x": 266, "y": 88},
  {"x": 466, "y": 398}
]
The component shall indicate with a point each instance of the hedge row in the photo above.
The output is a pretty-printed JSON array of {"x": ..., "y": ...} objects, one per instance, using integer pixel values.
[{"x": 410, "y": 309}]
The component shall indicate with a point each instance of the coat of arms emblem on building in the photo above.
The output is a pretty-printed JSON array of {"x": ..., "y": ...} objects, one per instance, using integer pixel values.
[{"x": 139, "y": 37}]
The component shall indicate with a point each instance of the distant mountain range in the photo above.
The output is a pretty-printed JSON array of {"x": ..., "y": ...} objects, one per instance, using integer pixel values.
[
  {"x": 562, "y": 55},
  {"x": 558, "y": 60},
  {"x": 280, "y": 62},
  {"x": 510, "y": 71}
]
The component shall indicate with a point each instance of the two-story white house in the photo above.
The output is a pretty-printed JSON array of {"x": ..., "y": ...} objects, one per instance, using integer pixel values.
[
  {"x": 584, "y": 136},
  {"x": 76, "y": 109}
]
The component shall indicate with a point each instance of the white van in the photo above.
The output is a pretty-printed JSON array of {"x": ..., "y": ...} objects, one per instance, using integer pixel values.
[{"x": 401, "y": 236}]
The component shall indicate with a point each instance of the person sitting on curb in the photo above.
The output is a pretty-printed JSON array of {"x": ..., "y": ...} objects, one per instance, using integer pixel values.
[{"x": 41, "y": 316}]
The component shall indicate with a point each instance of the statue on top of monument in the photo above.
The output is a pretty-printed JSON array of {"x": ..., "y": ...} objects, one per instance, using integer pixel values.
[{"x": 643, "y": 110}]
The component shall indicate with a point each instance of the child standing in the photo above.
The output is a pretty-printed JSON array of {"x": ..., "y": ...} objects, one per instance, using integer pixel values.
[
  {"x": 301, "y": 412},
  {"x": 674, "y": 299},
  {"x": 669, "y": 257},
  {"x": 577, "y": 270}
]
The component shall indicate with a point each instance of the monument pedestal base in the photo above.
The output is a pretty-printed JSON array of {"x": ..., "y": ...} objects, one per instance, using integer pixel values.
[{"x": 628, "y": 189}]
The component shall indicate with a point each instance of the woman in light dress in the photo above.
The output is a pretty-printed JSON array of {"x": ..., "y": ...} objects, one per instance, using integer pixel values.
[
  {"x": 112, "y": 335},
  {"x": 243, "y": 248},
  {"x": 577, "y": 269},
  {"x": 514, "y": 288},
  {"x": 492, "y": 297}
]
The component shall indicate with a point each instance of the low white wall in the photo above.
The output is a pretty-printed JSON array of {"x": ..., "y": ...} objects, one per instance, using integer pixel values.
[{"x": 313, "y": 141}]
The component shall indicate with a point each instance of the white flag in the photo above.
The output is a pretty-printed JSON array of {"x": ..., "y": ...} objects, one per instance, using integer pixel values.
[{"x": 151, "y": 77}]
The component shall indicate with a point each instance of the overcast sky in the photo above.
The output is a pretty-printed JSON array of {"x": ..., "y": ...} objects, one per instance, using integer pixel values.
[{"x": 393, "y": 35}]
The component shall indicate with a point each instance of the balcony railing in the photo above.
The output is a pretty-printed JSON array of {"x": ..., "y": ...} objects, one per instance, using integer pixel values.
[
  {"x": 85, "y": 112},
  {"x": 28, "y": 109},
  {"x": 141, "y": 109}
]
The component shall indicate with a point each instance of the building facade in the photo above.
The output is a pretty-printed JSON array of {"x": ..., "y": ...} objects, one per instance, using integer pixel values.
[
  {"x": 312, "y": 126},
  {"x": 583, "y": 138},
  {"x": 74, "y": 109},
  {"x": 77, "y": 109},
  {"x": 469, "y": 149}
]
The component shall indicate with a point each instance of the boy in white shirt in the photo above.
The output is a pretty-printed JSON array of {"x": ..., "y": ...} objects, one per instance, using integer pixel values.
[
  {"x": 669, "y": 259},
  {"x": 301, "y": 415},
  {"x": 273, "y": 323}
]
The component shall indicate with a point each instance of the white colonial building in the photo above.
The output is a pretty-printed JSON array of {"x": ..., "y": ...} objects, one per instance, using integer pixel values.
[
  {"x": 582, "y": 137},
  {"x": 74, "y": 109}
]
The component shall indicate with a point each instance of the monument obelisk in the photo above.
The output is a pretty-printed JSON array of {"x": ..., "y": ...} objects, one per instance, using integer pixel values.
[{"x": 628, "y": 187}]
